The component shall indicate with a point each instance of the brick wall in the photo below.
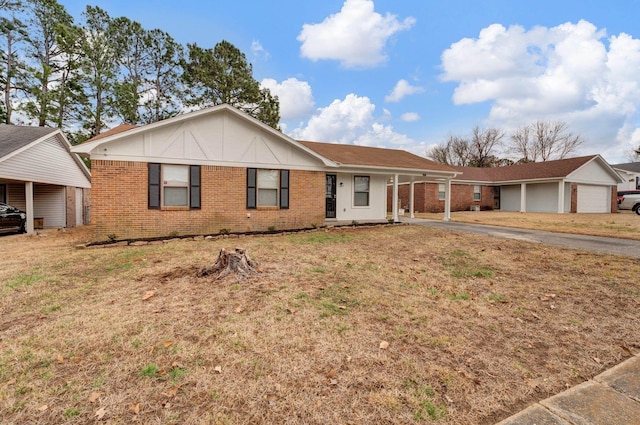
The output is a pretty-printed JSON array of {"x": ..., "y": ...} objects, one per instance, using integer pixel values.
[
  {"x": 426, "y": 197},
  {"x": 119, "y": 198}
]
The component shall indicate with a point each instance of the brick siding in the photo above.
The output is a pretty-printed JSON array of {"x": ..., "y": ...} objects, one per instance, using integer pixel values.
[
  {"x": 119, "y": 203},
  {"x": 426, "y": 197}
]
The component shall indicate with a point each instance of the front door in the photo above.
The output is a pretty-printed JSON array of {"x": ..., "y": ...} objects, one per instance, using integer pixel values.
[
  {"x": 496, "y": 197},
  {"x": 331, "y": 196}
]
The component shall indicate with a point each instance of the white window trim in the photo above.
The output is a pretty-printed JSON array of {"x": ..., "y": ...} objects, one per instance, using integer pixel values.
[{"x": 368, "y": 192}]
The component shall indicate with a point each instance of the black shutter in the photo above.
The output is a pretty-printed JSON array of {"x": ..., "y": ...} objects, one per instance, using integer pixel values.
[
  {"x": 154, "y": 186},
  {"x": 284, "y": 189},
  {"x": 251, "y": 188},
  {"x": 194, "y": 187}
]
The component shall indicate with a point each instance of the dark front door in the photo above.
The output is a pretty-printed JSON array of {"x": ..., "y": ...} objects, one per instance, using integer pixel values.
[
  {"x": 496, "y": 197},
  {"x": 331, "y": 196}
]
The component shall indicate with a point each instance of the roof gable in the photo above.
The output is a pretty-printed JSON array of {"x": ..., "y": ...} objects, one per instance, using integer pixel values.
[
  {"x": 220, "y": 135},
  {"x": 14, "y": 137},
  {"x": 529, "y": 171}
]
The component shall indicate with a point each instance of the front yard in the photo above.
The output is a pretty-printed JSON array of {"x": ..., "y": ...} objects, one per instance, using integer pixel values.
[{"x": 388, "y": 324}]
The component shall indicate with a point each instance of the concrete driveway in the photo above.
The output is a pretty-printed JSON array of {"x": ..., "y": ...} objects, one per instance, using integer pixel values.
[{"x": 624, "y": 247}]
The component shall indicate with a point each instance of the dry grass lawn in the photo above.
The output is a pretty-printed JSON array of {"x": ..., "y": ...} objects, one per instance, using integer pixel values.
[
  {"x": 388, "y": 324},
  {"x": 623, "y": 224}
]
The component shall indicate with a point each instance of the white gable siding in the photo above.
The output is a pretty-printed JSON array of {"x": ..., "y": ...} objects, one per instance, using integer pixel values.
[
  {"x": 46, "y": 162},
  {"x": 592, "y": 173},
  {"x": 220, "y": 139}
]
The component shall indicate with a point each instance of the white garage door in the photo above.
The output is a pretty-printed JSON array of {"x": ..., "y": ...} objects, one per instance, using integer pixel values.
[
  {"x": 593, "y": 199},
  {"x": 49, "y": 204}
]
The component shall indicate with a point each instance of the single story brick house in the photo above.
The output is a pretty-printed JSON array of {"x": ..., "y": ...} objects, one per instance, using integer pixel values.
[
  {"x": 40, "y": 175},
  {"x": 584, "y": 184},
  {"x": 218, "y": 169}
]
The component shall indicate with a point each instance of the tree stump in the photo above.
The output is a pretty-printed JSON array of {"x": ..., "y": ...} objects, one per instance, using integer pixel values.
[{"x": 237, "y": 262}]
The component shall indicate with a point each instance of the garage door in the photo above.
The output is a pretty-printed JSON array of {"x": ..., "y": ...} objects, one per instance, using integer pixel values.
[
  {"x": 593, "y": 199},
  {"x": 49, "y": 204}
]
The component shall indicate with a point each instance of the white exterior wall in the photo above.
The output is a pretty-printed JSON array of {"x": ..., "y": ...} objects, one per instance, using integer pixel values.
[
  {"x": 631, "y": 180},
  {"x": 542, "y": 197},
  {"x": 46, "y": 162},
  {"x": 346, "y": 211},
  {"x": 212, "y": 139}
]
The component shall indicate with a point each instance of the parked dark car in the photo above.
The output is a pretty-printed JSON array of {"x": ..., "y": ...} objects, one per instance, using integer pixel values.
[{"x": 12, "y": 219}]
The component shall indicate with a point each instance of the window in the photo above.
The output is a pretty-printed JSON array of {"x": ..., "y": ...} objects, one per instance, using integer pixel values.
[
  {"x": 267, "y": 188},
  {"x": 476, "y": 193},
  {"x": 361, "y": 191},
  {"x": 174, "y": 186},
  {"x": 441, "y": 191}
]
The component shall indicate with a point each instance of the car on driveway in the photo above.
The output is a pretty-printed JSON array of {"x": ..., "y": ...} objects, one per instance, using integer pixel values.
[
  {"x": 12, "y": 220},
  {"x": 630, "y": 202},
  {"x": 622, "y": 193}
]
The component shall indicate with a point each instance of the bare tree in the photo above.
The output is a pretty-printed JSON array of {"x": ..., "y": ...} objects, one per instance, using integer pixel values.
[
  {"x": 483, "y": 145},
  {"x": 479, "y": 151},
  {"x": 544, "y": 141}
]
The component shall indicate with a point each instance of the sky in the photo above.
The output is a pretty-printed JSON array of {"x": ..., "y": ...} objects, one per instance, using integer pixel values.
[{"x": 408, "y": 74}]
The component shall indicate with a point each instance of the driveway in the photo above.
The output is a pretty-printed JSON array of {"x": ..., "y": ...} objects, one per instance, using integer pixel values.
[{"x": 615, "y": 246}]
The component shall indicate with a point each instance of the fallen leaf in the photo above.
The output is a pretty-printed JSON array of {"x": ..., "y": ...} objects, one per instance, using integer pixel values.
[
  {"x": 60, "y": 359},
  {"x": 148, "y": 295},
  {"x": 167, "y": 343},
  {"x": 384, "y": 345},
  {"x": 239, "y": 310},
  {"x": 595, "y": 359},
  {"x": 43, "y": 408},
  {"x": 550, "y": 295},
  {"x": 536, "y": 316},
  {"x": 94, "y": 396},
  {"x": 348, "y": 358},
  {"x": 218, "y": 369},
  {"x": 331, "y": 374},
  {"x": 334, "y": 382},
  {"x": 172, "y": 392},
  {"x": 291, "y": 311},
  {"x": 135, "y": 408},
  {"x": 100, "y": 413},
  {"x": 176, "y": 364}
]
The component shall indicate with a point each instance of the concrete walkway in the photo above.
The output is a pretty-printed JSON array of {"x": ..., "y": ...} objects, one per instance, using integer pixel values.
[
  {"x": 611, "y": 398},
  {"x": 625, "y": 247}
]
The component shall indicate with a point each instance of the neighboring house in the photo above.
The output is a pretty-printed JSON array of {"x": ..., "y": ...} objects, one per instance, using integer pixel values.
[
  {"x": 630, "y": 173},
  {"x": 218, "y": 170},
  {"x": 40, "y": 175},
  {"x": 584, "y": 185}
]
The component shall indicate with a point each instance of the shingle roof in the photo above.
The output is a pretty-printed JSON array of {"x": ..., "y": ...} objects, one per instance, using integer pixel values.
[
  {"x": 13, "y": 137},
  {"x": 115, "y": 130},
  {"x": 376, "y": 157},
  {"x": 634, "y": 167},
  {"x": 529, "y": 171}
]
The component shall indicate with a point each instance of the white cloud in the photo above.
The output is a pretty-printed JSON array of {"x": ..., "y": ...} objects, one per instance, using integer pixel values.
[
  {"x": 402, "y": 89},
  {"x": 350, "y": 121},
  {"x": 258, "y": 51},
  {"x": 295, "y": 96},
  {"x": 410, "y": 117},
  {"x": 571, "y": 72},
  {"x": 356, "y": 36}
]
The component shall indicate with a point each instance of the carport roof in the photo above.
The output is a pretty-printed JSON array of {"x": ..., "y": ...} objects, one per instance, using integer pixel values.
[{"x": 13, "y": 137}]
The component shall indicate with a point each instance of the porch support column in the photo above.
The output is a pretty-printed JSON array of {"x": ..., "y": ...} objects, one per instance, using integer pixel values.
[
  {"x": 523, "y": 197},
  {"x": 447, "y": 200},
  {"x": 28, "y": 194},
  {"x": 560, "y": 196},
  {"x": 394, "y": 207},
  {"x": 411, "y": 200}
]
